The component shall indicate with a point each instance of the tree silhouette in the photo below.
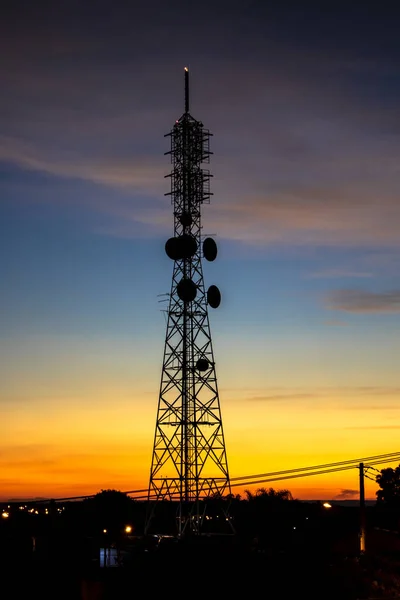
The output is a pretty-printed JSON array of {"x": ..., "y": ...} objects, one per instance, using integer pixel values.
[
  {"x": 269, "y": 495},
  {"x": 389, "y": 482},
  {"x": 267, "y": 516},
  {"x": 111, "y": 510}
]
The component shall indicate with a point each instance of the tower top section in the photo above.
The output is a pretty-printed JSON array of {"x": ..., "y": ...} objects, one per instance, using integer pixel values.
[
  {"x": 186, "y": 119},
  {"x": 190, "y": 149}
]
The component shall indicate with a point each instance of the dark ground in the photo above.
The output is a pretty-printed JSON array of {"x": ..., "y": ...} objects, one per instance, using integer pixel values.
[
  {"x": 212, "y": 567},
  {"x": 290, "y": 552}
]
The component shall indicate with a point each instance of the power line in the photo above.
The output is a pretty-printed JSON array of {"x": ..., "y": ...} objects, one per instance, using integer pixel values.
[
  {"x": 308, "y": 474},
  {"x": 322, "y": 469},
  {"x": 344, "y": 462},
  {"x": 306, "y": 471}
]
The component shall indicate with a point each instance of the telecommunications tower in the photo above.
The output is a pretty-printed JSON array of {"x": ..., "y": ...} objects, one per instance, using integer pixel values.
[{"x": 189, "y": 463}]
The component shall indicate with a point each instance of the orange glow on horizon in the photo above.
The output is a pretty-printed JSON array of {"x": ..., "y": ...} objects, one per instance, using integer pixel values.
[{"x": 74, "y": 454}]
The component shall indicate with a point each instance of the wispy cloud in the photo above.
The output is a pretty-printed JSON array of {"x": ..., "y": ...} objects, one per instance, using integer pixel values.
[
  {"x": 305, "y": 216},
  {"x": 345, "y": 392},
  {"x": 347, "y": 494},
  {"x": 375, "y": 390},
  {"x": 361, "y": 427},
  {"x": 279, "y": 397},
  {"x": 335, "y": 323},
  {"x": 381, "y": 262},
  {"x": 361, "y": 301},
  {"x": 137, "y": 173},
  {"x": 338, "y": 274},
  {"x": 371, "y": 407},
  {"x": 329, "y": 179}
]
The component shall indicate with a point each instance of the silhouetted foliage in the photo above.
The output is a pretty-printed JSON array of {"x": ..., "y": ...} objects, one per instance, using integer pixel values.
[
  {"x": 110, "y": 509},
  {"x": 269, "y": 495},
  {"x": 389, "y": 482},
  {"x": 266, "y": 516}
]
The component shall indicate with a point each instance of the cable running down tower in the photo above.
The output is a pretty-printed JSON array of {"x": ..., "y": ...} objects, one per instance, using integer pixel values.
[{"x": 189, "y": 462}]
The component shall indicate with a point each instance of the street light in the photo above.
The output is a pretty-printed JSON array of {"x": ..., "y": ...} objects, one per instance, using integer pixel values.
[
  {"x": 327, "y": 505},
  {"x": 128, "y": 529}
]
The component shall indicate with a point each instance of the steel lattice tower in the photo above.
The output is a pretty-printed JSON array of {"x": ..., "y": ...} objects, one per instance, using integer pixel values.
[{"x": 189, "y": 461}]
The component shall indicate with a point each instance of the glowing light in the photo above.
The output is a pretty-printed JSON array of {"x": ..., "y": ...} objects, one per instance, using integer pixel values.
[
  {"x": 128, "y": 529},
  {"x": 327, "y": 505},
  {"x": 5, "y": 515},
  {"x": 104, "y": 530},
  {"x": 186, "y": 69}
]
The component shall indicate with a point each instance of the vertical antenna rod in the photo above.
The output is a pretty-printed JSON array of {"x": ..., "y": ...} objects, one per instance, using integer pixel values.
[{"x": 186, "y": 90}]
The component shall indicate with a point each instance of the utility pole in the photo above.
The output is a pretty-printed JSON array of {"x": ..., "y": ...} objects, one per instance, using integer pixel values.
[{"x": 362, "y": 509}]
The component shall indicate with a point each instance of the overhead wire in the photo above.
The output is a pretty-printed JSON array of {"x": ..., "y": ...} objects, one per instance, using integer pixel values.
[
  {"x": 344, "y": 462},
  {"x": 308, "y": 474},
  {"x": 322, "y": 469}
]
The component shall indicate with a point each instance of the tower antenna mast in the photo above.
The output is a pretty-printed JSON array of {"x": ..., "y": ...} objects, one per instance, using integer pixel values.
[{"x": 186, "y": 90}]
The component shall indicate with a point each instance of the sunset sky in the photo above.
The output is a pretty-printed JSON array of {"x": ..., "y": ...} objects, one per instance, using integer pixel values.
[{"x": 304, "y": 107}]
